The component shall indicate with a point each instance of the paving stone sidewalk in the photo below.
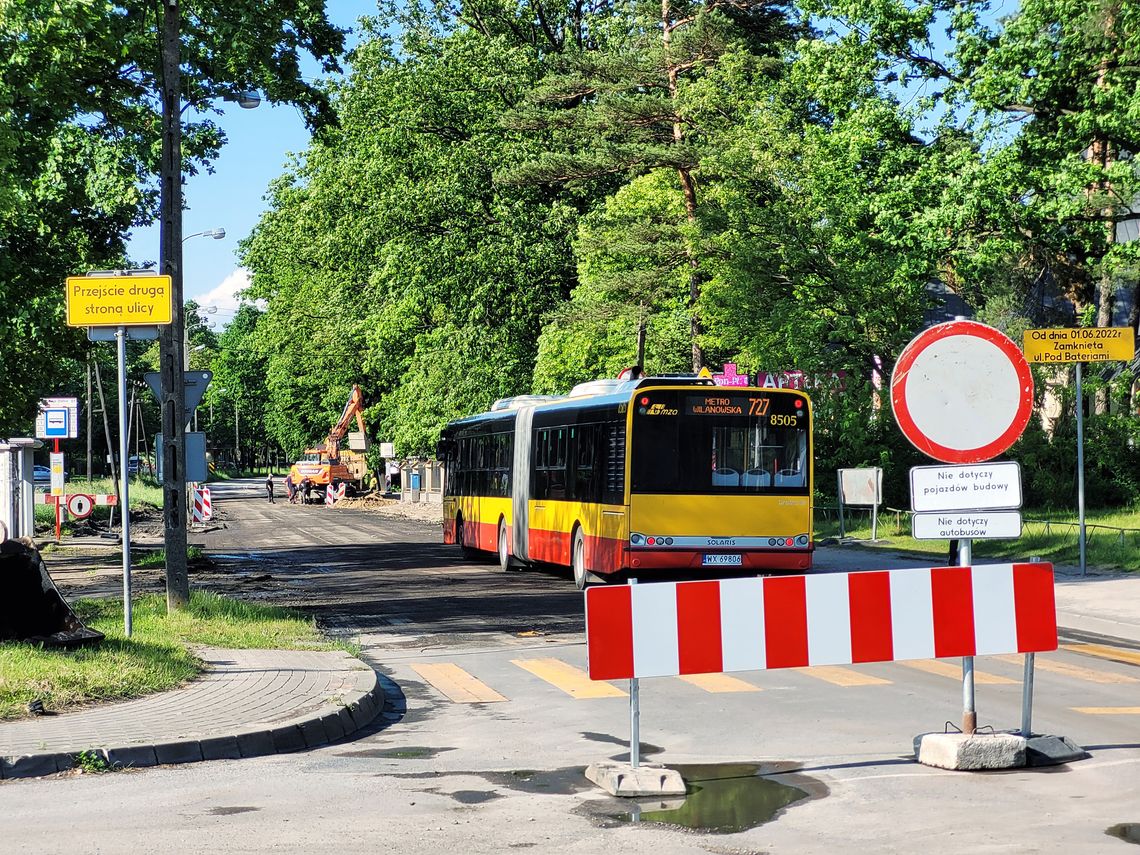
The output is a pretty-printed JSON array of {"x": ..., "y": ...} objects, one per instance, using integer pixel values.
[{"x": 247, "y": 703}]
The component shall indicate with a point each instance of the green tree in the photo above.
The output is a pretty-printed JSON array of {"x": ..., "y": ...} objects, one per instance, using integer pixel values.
[
  {"x": 391, "y": 258},
  {"x": 79, "y": 135},
  {"x": 629, "y": 105}
]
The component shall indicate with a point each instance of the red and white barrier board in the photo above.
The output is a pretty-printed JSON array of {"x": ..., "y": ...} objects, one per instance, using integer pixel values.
[
  {"x": 99, "y": 499},
  {"x": 203, "y": 509},
  {"x": 671, "y": 628},
  {"x": 334, "y": 493}
]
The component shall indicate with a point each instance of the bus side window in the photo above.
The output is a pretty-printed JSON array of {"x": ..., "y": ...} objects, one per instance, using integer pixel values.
[
  {"x": 557, "y": 463},
  {"x": 584, "y": 484},
  {"x": 541, "y": 453}
]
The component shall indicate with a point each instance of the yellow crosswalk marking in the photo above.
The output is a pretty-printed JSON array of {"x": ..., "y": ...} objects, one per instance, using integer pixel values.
[
  {"x": 1108, "y": 710},
  {"x": 716, "y": 683},
  {"x": 573, "y": 681},
  {"x": 954, "y": 672},
  {"x": 1104, "y": 651},
  {"x": 457, "y": 684},
  {"x": 838, "y": 676},
  {"x": 1067, "y": 670}
]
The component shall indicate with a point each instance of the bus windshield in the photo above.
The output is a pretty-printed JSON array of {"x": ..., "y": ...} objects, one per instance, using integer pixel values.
[{"x": 718, "y": 442}]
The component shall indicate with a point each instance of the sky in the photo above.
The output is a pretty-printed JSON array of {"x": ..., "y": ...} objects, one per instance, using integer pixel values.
[{"x": 233, "y": 196}]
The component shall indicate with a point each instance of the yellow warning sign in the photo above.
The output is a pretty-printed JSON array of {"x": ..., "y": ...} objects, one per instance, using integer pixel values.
[
  {"x": 118, "y": 301},
  {"x": 1083, "y": 344}
]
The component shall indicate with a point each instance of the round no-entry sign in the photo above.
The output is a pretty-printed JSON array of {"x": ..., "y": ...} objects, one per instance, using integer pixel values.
[
  {"x": 80, "y": 505},
  {"x": 962, "y": 392}
]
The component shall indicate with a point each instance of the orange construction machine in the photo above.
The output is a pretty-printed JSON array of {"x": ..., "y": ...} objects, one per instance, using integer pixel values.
[{"x": 329, "y": 464}]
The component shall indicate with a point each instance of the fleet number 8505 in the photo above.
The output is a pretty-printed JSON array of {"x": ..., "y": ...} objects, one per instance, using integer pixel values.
[{"x": 782, "y": 421}]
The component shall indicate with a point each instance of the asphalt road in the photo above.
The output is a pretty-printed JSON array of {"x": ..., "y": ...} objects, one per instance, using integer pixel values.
[{"x": 483, "y": 773}]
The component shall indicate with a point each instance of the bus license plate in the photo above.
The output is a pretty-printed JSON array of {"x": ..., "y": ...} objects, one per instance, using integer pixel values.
[{"x": 721, "y": 560}]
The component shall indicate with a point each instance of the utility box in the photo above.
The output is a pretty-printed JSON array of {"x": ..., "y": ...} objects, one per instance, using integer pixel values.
[{"x": 17, "y": 487}]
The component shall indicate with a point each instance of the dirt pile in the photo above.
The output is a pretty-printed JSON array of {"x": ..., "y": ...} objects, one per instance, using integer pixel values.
[{"x": 377, "y": 504}]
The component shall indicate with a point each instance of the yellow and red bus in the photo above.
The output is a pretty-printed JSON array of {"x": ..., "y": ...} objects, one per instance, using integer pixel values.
[{"x": 639, "y": 475}]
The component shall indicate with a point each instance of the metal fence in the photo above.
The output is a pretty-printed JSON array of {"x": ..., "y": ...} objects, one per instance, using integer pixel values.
[{"x": 1030, "y": 527}]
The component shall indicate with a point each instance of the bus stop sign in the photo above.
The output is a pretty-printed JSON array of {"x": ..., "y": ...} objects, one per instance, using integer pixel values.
[{"x": 962, "y": 392}]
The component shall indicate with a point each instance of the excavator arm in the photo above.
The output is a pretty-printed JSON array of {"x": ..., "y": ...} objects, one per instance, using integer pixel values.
[{"x": 353, "y": 408}]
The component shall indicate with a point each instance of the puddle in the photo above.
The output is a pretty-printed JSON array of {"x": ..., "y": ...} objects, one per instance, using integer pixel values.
[
  {"x": 721, "y": 799},
  {"x": 474, "y": 797},
  {"x": 560, "y": 782},
  {"x": 409, "y": 752},
  {"x": 1129, "y": 832},
  {"x": 229, "y": 811}
]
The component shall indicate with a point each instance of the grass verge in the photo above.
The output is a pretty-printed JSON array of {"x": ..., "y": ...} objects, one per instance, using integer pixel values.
[{"x": 157, "y": 657}]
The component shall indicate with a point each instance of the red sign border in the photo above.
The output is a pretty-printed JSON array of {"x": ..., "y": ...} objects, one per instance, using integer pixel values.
[{"x": 906, "y": 421}]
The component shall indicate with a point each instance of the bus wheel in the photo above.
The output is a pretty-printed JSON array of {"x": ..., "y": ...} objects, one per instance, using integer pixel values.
[
  {"x": 505, "y": 563},
  {"x": 578, "y": 560},
  {"x": 461, "y": 539}
]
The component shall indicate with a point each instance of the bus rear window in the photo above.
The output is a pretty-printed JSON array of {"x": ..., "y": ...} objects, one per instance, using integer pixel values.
[{"x": 719, "y": 443}]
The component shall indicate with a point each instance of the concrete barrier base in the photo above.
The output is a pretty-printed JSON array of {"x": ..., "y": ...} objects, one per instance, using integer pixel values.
[
  {"x": 621, "y": 779},
  {"x": 970, "y": 752}
]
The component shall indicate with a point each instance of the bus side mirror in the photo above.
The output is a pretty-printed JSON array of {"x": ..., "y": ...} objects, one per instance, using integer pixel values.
[{"x": 443, "y": 448}]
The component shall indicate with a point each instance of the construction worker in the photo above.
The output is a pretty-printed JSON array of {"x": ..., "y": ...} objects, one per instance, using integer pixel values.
[
  {"x": 307, "y": 489},
  {"x": 290, "y": 488},
  {"x": 269, "y": 488}
]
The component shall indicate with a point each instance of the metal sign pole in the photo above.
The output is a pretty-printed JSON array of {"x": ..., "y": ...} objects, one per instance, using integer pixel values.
[
  {"x": 839, "y": 496},
  {"x": 121, "y": 343},
  {"x": 969, "y": 713},
  {"x": 634, "y": 717},
  {"x": 1081, "y": 464},
  {"x": 1027, "y": 688}
]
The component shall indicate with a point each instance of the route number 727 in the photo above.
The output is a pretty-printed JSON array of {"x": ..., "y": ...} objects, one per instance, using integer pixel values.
[{"x": 758, "y": 406}]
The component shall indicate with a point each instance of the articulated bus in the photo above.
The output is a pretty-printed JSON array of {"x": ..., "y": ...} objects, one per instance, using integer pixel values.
[{"x": 638, "y": 475}]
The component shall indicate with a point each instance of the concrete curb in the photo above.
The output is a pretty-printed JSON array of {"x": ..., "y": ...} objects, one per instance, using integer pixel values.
[{"x": 328, "y": 723}]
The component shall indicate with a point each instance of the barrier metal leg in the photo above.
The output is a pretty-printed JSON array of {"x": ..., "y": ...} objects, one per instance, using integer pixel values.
[
  {"x": 969, "y": 713},
  {"x": 634, "y": 723},
  {"x": 1027, "y": 697},
  {"x": 1027, "y": 687}
]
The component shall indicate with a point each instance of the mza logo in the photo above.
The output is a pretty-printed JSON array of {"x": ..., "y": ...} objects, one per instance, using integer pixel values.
[{"x": 660, "y": 410}]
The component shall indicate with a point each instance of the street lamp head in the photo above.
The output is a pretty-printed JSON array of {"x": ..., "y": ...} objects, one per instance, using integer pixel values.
[
  {"x": 216, "y": 234},
  {"x": 245, "y": 100}
]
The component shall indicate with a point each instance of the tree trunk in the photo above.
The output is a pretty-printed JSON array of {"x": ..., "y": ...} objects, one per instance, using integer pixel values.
[
  {"x": 688, "y": 186},
  {"x": 1100, "y": 152}
]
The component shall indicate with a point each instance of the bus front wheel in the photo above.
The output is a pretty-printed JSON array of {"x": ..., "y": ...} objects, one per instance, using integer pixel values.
[{"x": 578, "y": 560}]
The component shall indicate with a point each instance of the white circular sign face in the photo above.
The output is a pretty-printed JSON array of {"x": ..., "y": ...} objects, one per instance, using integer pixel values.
[
  {"x": 962, "y": 392},
  {"x": 80, "y": 505}
]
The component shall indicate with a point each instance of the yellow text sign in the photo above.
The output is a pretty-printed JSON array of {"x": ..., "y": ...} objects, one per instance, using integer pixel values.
[
  {"x": 118, "y": 301},
  {"x": 1083, "y": 344}
]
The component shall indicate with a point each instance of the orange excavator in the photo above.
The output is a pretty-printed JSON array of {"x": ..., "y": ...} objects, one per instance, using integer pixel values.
[{"x": 328, "y": 464}]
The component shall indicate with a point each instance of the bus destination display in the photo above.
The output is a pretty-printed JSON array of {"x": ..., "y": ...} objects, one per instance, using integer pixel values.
[{"x": 727, "y": 405}]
